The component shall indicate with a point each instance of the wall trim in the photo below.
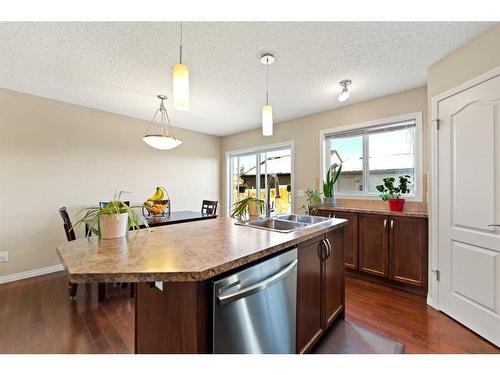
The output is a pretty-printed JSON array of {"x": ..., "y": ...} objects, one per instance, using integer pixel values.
[{"x": 31, "y": 273}]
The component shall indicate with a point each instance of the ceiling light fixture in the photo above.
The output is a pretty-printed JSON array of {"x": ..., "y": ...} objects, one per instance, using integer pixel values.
[
  {"x": 267, "y": 110},
  {"x": 344, "y": 95},
  {"x": 180, "y": 75},
  {"x": 164, "y": 140}
]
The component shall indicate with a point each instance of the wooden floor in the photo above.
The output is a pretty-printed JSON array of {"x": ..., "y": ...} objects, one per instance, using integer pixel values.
[
  {"x": 406, "y": 317},
  {"x": 37, "y": 317}
]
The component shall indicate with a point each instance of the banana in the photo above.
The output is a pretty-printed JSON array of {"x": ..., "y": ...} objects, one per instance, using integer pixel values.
[
  {"x": 164, "y": 193},
  {"x": 157, "y": 195}
]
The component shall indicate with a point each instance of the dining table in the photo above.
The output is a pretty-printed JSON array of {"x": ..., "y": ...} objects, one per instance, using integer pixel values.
[{"x": 174, "y": 217}]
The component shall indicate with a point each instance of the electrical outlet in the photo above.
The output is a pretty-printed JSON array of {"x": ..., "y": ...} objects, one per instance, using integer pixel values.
[{"x": 4, "y": 256}]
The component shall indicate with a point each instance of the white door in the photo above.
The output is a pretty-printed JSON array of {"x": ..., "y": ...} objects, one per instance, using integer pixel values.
[{"x": 469, "y": 203}]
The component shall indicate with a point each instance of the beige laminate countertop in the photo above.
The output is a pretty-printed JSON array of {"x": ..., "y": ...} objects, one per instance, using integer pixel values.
[
  {"x": 192, "y": 251},
  {"x": 374, "y": 211}
]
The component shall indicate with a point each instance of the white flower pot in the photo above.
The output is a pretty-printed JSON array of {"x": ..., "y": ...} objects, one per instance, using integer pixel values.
[{"x": 113, "y": 226}]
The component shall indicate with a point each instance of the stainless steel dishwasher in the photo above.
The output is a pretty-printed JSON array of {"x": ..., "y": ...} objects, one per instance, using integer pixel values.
[{"x": 254, "y": 310}]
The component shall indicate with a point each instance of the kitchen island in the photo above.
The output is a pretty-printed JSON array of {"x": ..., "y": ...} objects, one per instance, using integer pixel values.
[{"x": 173, "y": 267}]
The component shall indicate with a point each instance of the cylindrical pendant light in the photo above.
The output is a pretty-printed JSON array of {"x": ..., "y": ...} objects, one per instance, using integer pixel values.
[
  {"x": 267, "y": 110},
  {"x": 180, "y": 75},
  {"x": 267, "y": 120}
]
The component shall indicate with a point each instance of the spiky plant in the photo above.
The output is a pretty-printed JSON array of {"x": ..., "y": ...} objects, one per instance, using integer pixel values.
[
  {"x": 332, "y": 176},
  {"x": 240, "y": 208},
  {"x": 91, "y": 215}
]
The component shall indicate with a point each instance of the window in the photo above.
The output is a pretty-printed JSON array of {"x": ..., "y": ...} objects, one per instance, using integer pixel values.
[
  {"x": 372, "y": 151},
  {"x": 248, "y": 172}
]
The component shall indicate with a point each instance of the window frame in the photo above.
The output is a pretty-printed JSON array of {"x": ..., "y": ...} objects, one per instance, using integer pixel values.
[
  {"x": 258, "y": 149},
  {"x": 417, "y": 195}
]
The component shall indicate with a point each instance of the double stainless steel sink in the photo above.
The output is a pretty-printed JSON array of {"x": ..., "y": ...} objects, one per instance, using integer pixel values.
[{"x": 284, "y": 223}]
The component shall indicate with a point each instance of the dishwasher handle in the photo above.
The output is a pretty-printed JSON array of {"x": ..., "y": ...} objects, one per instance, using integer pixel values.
[{"x": 264, "y": 284}]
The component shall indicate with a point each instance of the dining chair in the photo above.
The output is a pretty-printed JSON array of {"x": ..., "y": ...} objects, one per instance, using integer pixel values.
[
  {"x": 209, "y": 207},
  {"x": 104, "y": 204},
  {"x": 70, "y": 235}
]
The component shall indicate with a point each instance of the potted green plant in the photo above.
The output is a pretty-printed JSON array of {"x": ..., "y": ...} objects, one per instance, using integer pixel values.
[
  {"x": 389, "y": 192},
  {"x": 313, "y": 202},
  {"x": 249, "y": 205},
  {"x": 113, "y": 220},
  {"x": 332, "y": 175}
]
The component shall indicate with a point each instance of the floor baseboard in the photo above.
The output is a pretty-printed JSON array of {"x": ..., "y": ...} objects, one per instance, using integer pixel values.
[{"x": 31, "y": 273}]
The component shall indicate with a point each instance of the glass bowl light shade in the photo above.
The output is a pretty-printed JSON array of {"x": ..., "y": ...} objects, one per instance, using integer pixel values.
[{"x": 161, "y": 142}]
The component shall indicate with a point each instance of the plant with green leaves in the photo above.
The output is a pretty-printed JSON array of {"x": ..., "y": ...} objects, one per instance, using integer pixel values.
[
  {"x": 241, "y": 208},
  {"x": 390, "y": 191},
  {"x": 116, "y": 206},
  {"x": 332, "y": 175},
  {"x": 313, "y": 201}
]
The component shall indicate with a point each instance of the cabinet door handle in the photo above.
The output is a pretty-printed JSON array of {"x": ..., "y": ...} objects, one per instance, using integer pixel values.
[
  {"x": 325, "y": 254},
  {"x": 392, "y": 224},
  {"x": 329, "y": 248},
  {"x": 334, "y": 216},
  {"x": 320, "y": 250},
  {"x": 385, "y": 223}
]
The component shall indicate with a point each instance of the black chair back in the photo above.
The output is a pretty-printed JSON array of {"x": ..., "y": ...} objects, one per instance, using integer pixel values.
[
  {"x": 209, "y": 207},
  {"x": 104, "y": 204},
  {"x": 68, "y": 227}
]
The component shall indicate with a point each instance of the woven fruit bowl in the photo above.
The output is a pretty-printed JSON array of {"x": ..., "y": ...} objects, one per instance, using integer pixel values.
[{"x": 156, "y": 207}]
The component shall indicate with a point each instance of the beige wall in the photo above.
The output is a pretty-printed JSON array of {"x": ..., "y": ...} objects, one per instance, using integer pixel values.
[
  {"x": 55, "y": 154},
  {"x": 305, "y": 132},
  {"x": 473, "y": 59}
]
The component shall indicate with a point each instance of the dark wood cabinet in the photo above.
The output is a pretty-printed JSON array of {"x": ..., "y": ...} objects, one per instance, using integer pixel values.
[
  {"x": 320, "y": 287},
  {"x": 373, "y": 244},
  {"x": 309, "y": 293},
  {"x": 388, "y": 247},
  {"x": 350, "y": 236},
  {"x": 408, "y": 255},
  {"x": 334, "y": 278}
]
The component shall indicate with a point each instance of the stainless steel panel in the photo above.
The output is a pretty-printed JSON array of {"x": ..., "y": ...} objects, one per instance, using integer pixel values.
[
  {"x": 254, "y": 310},
  {"x": 272, "y": 225},
  {"x": 306, "y": 219}
]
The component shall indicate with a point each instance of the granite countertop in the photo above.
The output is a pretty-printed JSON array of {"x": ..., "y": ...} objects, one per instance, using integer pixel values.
[
  {"x": 375, "y": 211},
  {"x": 192, "y": 251}
]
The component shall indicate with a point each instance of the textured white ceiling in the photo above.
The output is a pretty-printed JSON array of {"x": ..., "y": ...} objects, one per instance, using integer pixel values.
[{"x": 121, "y": 66}]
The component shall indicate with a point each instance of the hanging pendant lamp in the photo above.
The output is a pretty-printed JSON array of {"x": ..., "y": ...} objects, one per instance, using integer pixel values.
[
  {"x": 164, "y": 140},
  {"x": 180, "y": 76},
  {"x": 344, "y": 94},
  {"x": 267, "y": 110}
]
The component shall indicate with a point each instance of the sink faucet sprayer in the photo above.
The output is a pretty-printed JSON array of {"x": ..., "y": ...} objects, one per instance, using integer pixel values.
[{"x": 272, "y": 176}]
